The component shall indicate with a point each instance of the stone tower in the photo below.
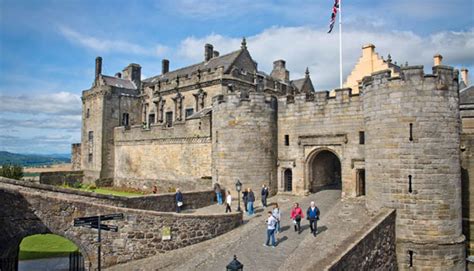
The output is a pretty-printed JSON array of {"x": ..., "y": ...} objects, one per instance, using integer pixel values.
[
  {"x": 244, "y": 134},
  {"x": 413, "y": 163},
  {"x": 104, "y": 107}
]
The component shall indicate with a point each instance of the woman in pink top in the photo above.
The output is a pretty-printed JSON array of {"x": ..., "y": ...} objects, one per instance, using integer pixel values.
[{"x": 296, "y": 215}]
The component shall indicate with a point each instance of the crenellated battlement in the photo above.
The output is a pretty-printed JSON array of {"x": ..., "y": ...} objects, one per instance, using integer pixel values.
[
  {"x": 251, "y": 99},
  {"x": 414, "y": 78},
  {"x": 321, "y": 98}
]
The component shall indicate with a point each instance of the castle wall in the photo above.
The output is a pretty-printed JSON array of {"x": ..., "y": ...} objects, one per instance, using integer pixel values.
[
  {"x": 412, "y": 162},
  {"x": 244, "y": 141},
  {"x": 467, "y": 172},
  {"x": 315, "y": 123},
  {"x": 92, "y": 119},
  {"x": 177, "y": 156},
  {"x": 102, "y": 112},
  {"x": 76, "y": 156}
]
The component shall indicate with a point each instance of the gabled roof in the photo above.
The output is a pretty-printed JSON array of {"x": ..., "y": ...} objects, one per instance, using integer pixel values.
[
  {"x": 118, "y": 82},
  {"x": 225, "y": 61},
  {"x": 303, "y": 84}
]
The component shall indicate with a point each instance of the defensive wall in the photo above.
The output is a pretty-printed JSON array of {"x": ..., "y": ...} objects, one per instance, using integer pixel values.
[
  {"x": 29, "y": 211},
  {"x": 372, "y": 249},
  {"x": 311, "y": 123},
  {"x": 177, "y": 156},
  {"x": 62, "y": 177}
]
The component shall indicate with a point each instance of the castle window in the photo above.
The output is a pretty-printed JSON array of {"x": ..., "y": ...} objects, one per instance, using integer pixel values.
[
  {"x": 411, "y": 132},
  {"x": 217, "y": 136},
  {"x": 169, "y": 119},
  {"x": 91, "y": 136},
  {"x": 89, "y": 158},
  {"x": 189, "y": 112},
  {"x": 125, "y": 119},
  {"x": 409, "y": 184},
  {"x": 361, "y": 137},
  {"x": 151, "y": 119},
  {"x": 287, "y": 140},
  {"x": 410, "y": 258},
  {"x": 87, "y": 113}
]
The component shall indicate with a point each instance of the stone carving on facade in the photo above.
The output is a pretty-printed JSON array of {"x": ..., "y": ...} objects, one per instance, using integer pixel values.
[
  {"x": 178, "y": 106},
  {"x": 200, "y": 97}
]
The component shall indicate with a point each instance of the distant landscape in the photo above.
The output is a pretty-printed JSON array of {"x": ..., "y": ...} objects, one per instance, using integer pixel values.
[{"x": 33, "y": 160}]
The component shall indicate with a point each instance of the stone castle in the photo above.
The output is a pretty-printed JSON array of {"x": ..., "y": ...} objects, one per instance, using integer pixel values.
[{"x": 393, "y": 136}]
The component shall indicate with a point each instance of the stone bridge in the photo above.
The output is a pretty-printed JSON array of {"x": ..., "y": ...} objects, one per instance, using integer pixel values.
[{"x": 28, "y": 209}]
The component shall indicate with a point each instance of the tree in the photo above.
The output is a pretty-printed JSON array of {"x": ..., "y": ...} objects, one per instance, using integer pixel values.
[{"x": 12, "y": 171}]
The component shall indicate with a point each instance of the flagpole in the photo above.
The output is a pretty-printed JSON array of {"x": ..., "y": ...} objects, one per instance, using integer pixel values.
[{"x": 340, "y": 43}]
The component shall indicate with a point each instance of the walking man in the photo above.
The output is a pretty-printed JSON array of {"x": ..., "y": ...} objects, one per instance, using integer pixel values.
[
  {"x": 313, "y": 216},
  {"x": 264, "y": 195},
  {"x": 245, "y": 194},
  {"x": 228, "y": 202},
  {"x": 271, "y": 224},
  {"x": 179, "y": 200},
  {"x": 250, "y": 201},
  {"x": 277, "y": 214}
]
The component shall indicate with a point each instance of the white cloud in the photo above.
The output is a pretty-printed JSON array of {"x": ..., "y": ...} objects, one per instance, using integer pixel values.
[
  {"x": 59, "y": 103},
  {"x": 307, "y": 46},
  {"x": 105, "y": 45}
]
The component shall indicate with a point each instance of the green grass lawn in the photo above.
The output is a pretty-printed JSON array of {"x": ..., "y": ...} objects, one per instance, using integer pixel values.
[
  {"x": 45, "y": 246},
  {"x": 105, "y": 191},
  {"x": 30, "y": 174}
]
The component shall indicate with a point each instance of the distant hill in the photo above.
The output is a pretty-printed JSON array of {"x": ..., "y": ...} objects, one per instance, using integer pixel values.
[{"x": 33, "y": 159}]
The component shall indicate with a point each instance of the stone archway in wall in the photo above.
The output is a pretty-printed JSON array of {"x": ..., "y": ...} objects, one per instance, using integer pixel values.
[{"x": 324, "y": 170}]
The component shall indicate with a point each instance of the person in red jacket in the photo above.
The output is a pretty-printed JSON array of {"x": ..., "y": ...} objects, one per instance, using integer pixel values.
[{"x": 296, "y": 215}]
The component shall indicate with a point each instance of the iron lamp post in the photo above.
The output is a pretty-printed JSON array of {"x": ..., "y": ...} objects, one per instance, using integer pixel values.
[
  {"x": 238, "y": 187},
  {"x": 235, "y": 265}
]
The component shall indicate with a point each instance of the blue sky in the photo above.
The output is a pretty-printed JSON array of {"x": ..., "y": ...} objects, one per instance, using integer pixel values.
[{"x": 48, "y": 47}]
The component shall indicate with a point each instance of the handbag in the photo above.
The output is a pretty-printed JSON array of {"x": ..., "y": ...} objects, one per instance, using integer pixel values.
[{"x": 180, "y": 203}]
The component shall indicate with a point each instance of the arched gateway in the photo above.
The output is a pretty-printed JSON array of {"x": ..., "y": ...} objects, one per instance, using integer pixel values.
[{"x": 324, "y": 170}]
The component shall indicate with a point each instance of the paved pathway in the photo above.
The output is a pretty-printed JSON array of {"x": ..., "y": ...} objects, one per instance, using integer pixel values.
[{"x": 246, "y": 241}]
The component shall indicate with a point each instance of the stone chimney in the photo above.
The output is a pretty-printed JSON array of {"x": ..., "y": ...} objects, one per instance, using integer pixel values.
[
  {"x": 279, "y": 71},
  {"x": 98, "y": 67},
  {"x": 118, "y": 75},
  {"x": 368, "y": 50},
  {"x": 437, "y": 59},
  {"x": 215, "y": 53},
  {"x": 165, "y": 66},
  {"x": 465, "y": 76},
  {"x": 133, "y": 72},
  {"x": 208, "y": 52}
]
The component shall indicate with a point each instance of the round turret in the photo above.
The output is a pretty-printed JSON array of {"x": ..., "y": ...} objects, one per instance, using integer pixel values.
[{"x": 412, "y": 163}]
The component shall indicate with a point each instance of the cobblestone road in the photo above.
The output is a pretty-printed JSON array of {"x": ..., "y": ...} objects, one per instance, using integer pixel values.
[{"x": 246, "y": 241}]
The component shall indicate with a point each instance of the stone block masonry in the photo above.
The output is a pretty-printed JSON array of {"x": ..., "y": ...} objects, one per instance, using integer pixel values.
[
  {"x": 413, "y": 163},
  {"x": 69, "y": 178},
  {"x": 373, "y": 250},
  {"x": 27, "y": 212}
]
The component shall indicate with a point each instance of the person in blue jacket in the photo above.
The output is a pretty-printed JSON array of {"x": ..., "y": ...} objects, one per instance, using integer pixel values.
[
  {"x": 313, "y": 216},
  {"x": 179, "y": 200}
]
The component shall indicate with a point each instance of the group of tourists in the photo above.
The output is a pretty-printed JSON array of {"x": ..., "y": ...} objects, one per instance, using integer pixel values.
[
  {"x": 248, "y": 198},
  {"x": 296, "y": 215}
]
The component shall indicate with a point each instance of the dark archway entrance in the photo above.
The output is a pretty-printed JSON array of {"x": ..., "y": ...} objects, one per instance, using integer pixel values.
[
  {"x": 288, "y": 177},
  {"x": 324, "y": 171}
]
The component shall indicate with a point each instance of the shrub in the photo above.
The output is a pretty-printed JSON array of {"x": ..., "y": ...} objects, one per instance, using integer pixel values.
[{"x": 12, "y": 171}]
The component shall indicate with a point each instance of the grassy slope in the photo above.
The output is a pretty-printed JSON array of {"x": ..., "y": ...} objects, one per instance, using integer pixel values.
[
  {"x": 30, "y": 159},
  {"x": 45, "y": 246},
  {"x": 106, "y": 191}
]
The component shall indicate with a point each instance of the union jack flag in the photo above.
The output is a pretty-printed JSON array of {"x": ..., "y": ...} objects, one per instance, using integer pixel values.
[{"x": 335, "y": 8}]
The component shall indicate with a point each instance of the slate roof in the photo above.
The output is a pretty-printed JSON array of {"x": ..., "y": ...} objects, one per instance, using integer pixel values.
[
  {"x": 298, "y": 84},
  {"x": 200, "y": 113},
  {"x": 466, "y": 95},
  {"x": 118, "y": 82},
  {"x": 225, "y": 61}
]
